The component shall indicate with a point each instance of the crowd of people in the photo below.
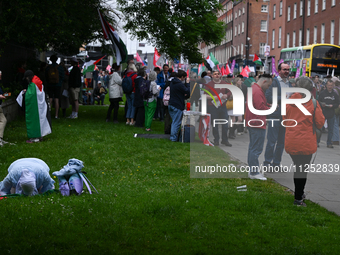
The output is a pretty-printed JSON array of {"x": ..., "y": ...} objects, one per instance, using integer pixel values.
[{"x": 161, "y": 95}]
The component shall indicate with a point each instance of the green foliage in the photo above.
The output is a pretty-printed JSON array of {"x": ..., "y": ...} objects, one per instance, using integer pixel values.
[
  {"x": 61, "y": 25},
  {"x": 174, "y": 27}
]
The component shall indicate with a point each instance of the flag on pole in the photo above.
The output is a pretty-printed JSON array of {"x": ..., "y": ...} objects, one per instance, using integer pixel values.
[
  {"x": 188, "y": 73},
  {"x": 222, "y": 71},
  {"x": 232, "y": 66},
  {"x": 219, "y": 69},
  {"x": 201, "y": 69},
  {"x": 146, "y": 59},
  {"x": 90, "y": 65},
  {"x": 117, "y": 44},
  {"x": 245, "y": 72},
  {"x": 227, "y": 69},
  {"x": 156, "y": 56},
  {"x": 274, "y": 67},
  {"x": 212, "y": 61},
  {"x": 139, "y": 59},
  {"x": 257, "y": 60}
]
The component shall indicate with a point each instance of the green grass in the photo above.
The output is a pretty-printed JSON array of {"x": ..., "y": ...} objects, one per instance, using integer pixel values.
[{"x": 147, "y": 202}]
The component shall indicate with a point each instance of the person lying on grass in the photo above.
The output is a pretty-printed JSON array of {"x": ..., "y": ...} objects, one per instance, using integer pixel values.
[{"x": 28, "y": 176}]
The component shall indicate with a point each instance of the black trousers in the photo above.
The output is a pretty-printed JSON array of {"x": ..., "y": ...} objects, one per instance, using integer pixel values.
[
  {"x": 140, "y": 116},
  {"x": 167, "y": 121},
  {"x": 300, "y": 176},
  {"x": 114, "y": 105}
]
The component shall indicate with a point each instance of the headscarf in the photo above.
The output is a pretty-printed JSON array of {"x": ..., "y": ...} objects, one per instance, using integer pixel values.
[{"x": 27, "y": 184}]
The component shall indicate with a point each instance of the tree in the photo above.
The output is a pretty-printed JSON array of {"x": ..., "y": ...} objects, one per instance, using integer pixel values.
[
  {"x": 61, "y": 25},
  {"x": 174, "y": 27}
]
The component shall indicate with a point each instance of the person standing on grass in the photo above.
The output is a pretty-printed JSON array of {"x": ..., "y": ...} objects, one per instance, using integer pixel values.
[
  {"x": 162, "y": 78},
  {"x": 55, "y": 76},
  {"x": 28, "y": 176},
  {"x": 115, "y": 94},
  {"x": 256, "y": 125},
  {"x": 138, "y": 103},
  {"x": 3, "y": 120},
  {"x": 329, "y": 101},
  {"x": 37, "y": 114},
  {"x": 300, "y": 140},
  {"x": 179, "y": 91},
  {"x": 130, "y": 114},
  {"x": 151, "y": 103},
  {"x": 74, "y": 84}
]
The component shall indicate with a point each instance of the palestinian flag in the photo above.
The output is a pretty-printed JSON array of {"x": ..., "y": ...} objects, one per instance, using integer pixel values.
[
  {"x": 201, "y": 69},
  {"x": 257, "y": 60},
  {"x": 212, "y": 61},
  {"x": 117, "y": 44},
  {"x": 36, "y": 110},
  {"x": 90, "y": 65}
]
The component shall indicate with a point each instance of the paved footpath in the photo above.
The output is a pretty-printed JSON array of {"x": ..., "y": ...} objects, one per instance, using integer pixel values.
[{"x": 321, "y": 188}]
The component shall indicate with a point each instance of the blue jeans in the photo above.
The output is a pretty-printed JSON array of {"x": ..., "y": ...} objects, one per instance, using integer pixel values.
[
  {"x": 219, "y": 113},
  {"x": 275, "y": 143},
  {"x": 131, "y": 109},
  {"x": 330, "y": 124},
  {"x": 336, "y": 137},
  {"x": 256, "y": 142},
  {"x": 176, "y": 115}
]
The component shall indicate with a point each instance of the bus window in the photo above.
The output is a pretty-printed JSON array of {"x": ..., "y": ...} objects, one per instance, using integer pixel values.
[
  {"x": 306, "y": 53},
  {"x": 293, "y": 55}
]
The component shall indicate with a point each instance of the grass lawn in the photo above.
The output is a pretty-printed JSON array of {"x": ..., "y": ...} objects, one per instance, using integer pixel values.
[{"x": 147, "y": 202}]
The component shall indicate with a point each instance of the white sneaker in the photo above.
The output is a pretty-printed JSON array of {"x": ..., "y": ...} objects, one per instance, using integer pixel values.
[{"x": 257, "y": 177}]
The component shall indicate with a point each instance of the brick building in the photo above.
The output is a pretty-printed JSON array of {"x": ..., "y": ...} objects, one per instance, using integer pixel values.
[{"x": 304, "y": 22}]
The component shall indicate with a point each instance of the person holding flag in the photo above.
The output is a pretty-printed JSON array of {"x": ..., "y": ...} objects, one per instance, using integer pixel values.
[{"x": 37, "y": 114}]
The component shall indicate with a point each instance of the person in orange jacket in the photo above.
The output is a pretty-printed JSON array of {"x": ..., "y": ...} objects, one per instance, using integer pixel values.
[{"x": 300, "y": 140}]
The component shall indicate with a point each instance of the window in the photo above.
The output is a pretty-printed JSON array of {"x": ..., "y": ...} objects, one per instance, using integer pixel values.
[
  {"x": 264, "y": 8},
  {"x": 315, "y": 36},
  {"x": 332, "y": 32},
  {"x": 316, "y": 7},
  {"x": 274, "y": 11},
  {"x": 323, "y": 33},
  {"x": 295, "y": 10},
  {"x": 300, "y": 37},
  {"x": 235, "y": 15},
  {"x": 262, "y": 45},
  {"x": 301, "y": 8},
  {"x": 243, "y": 11},
  {"x": 238, "y": 49},
  {"x": 308, "y": 8},
  {"x": 239, "y": 12},
  {"x": 242, "y": 49},
  {"x": 287, "y": 46},
  {"x": 288, "y": 14},
  {"x": 323, "y": 4},
  {"x": 235, "y": 31},
  {"x": 273, "y": 39},
  {"x": 281, "y": 8},
  {"x": 294, "y": 38},
  {"x": 333, "y": 2},
  {"x": 263, "y": 26},
  {"x": 307, "y": 36},
  {"x": 279, "y": 41},
  {"x": 242, "y": 26},
  {"x": 239, "y": 28}
]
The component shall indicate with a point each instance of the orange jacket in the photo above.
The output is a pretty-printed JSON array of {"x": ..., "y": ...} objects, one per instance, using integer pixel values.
[{"x": 300, "y": 139}]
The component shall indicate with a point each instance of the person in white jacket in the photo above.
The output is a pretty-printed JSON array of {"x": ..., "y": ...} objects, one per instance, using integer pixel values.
[{"x": 115, "y": 94}]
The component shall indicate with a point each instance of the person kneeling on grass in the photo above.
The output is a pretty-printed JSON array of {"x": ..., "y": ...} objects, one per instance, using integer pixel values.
[{"x": 28, "y": 176}]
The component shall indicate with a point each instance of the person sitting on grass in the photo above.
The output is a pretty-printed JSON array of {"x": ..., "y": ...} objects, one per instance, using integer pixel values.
[
  {"x": 27, "y": 176},
  {"x": 99, "y": 93}
]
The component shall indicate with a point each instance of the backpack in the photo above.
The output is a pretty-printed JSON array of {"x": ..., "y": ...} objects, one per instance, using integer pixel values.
[
  {"x": 166, "y": 96},
  {"x": 71, "y": 178},
  {"x": 145, "y": 89},
  {"x": 53, "y": 74},
  {"x": 127, "y": 84}
]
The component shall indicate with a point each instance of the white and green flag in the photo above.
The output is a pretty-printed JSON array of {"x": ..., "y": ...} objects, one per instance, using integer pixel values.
[{"x": 212, "y": 61}]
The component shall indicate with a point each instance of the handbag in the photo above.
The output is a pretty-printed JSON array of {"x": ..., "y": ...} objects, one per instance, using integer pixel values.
[{"x": 229, "y": 104}]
